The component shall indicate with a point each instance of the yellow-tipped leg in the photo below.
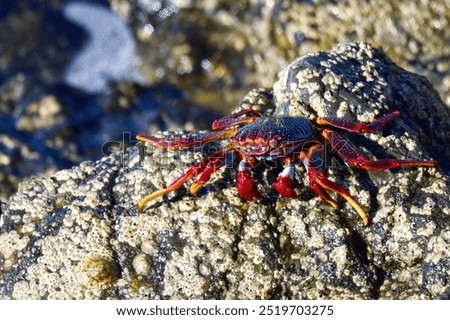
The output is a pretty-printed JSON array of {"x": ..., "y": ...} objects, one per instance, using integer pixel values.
[
  {"x": 195, "y": 187},
  {"x": 141, "y": 204},
  {"x": 212, "y": 167},
  {"x": 173, "y": 186},
  {"x": 333, "y": 203},
  {"x": 206, "y": 167},
  {"x": 358, "y": 208},
  {"x": 327, "y": 184},
  {"x": 319, "y": 182},
  {"x": 317, "y": 188}
]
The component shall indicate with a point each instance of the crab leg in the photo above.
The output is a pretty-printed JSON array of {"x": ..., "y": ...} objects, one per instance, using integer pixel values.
[
  {"x": 205, "y": 167},
  {"x": 359, "y": 127},
  {"x": 318, "y": 181},
  {"x": 214, "y": 164},
  {"x": 183, "y": 143},
  {"x": 235, "y": 119},
  {"x": 355, "y": 157}
]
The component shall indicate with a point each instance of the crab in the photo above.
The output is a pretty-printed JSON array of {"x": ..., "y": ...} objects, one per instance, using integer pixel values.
[{"x": 252, "y": 137}]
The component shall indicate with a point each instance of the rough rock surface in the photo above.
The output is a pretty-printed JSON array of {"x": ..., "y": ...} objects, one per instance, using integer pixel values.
[
  {"x": 210, "y": 52},
  {"x": 77, "y": 234},
  {"x": 237, "y": 44}
]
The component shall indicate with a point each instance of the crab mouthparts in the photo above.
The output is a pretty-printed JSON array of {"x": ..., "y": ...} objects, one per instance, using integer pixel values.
[{"x": 252, "y": 149}]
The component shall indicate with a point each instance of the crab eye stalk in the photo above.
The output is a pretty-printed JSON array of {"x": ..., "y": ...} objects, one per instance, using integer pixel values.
[{"x": 273, "y": 143}]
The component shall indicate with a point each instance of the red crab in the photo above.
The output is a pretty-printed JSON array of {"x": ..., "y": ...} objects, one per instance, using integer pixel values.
[{"x": 278, "y": 137}]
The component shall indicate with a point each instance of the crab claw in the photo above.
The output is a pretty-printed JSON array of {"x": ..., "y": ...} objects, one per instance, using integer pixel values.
[
  {"x": 246, "y": 183},
  {"x": 284, "y": 183}
]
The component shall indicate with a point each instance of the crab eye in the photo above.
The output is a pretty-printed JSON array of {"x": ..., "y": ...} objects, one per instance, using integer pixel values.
[{"x": 273, "y": 143}]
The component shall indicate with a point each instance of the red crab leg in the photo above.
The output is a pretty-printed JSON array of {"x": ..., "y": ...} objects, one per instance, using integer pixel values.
[
  {"x": 216, "y": 161},
  {"x": 235, "y": 119},
  {"x": 183, "y": 143},
  {"x": 246, "y": 184},
  {"x": 285, "y": 181},
  {"x": 318, "y": 181},
  {"x": 359, "y": 127},
  {"x": 355, "y": 157},
  {"x": 205, "y": 167}
]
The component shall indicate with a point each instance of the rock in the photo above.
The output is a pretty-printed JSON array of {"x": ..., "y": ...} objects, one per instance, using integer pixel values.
[
  {"x": 212, "y": 54},
  {"x": 78, "y": 235},
  {"x": 358, "y": 82},
  {"x": 219, "y": 48},
  {"x": 354, "y": 81}
]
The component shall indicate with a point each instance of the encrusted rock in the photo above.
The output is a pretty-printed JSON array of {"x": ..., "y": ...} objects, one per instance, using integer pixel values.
[
  {"x": 78, "y": 235},
  {"x": 214, "y": 53},
  {"x": 357, "y": 82}
]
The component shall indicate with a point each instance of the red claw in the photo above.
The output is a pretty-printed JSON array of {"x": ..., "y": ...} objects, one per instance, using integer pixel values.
[
  {"x": 284, "y": 187},
  {"x": 285, "y": 182},
  {"x": 246, "y": 184}
]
